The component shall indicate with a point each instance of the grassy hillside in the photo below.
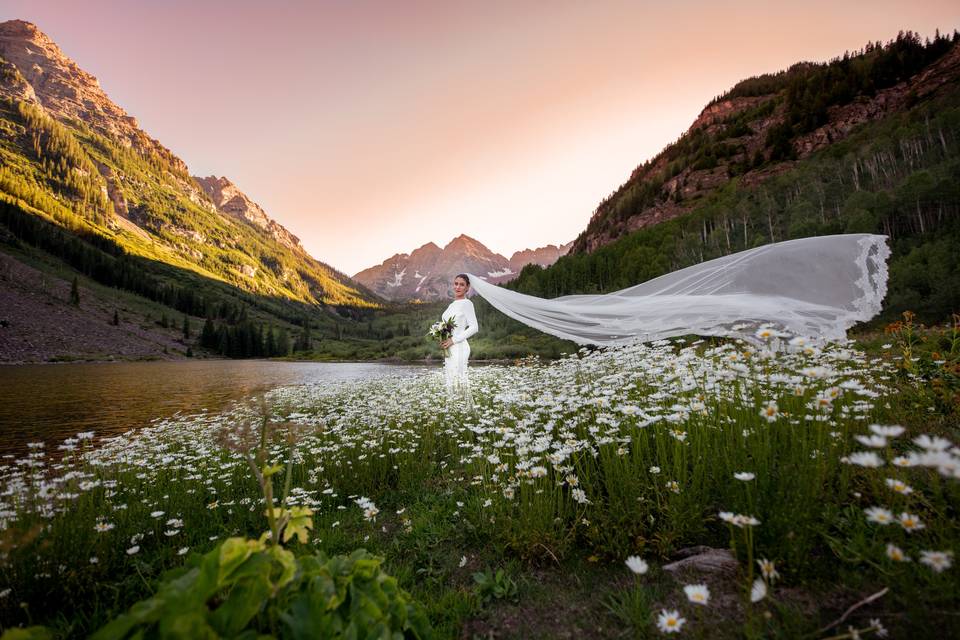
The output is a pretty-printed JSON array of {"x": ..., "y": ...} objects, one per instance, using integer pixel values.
[{"x": 69, "y": 172}]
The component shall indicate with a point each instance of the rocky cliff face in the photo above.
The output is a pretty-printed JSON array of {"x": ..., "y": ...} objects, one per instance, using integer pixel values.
[
  {"x": 425, "y": 274},
  {"x": 230, "y": 201},
  {"x": 844, "y": 118},
  {"x": 66, "y": 91},
  {"x": 679, "y": 185}
]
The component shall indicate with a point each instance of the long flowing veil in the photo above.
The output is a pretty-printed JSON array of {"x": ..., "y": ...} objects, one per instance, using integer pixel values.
[{"x": 814, "y": 287}]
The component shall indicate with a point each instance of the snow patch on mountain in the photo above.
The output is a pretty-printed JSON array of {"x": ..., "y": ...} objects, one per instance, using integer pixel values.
[{"x": 397, "y": 280}]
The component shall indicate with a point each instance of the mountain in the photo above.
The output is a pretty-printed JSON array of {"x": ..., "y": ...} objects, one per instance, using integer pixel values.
[
  {"x": 765, "y": 125},
  {"x": 866, "y": 143},
  {"x": 74, "y": 160},
  {"x": 543, "y": 256},
  {"x": 230, "y": 201},
  {"x": 424, "y": 275},
  {"x": 35, "y": 70}
]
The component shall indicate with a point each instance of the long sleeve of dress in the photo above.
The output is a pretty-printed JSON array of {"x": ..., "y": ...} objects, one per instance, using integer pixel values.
[{"x": 472, "y": 326}]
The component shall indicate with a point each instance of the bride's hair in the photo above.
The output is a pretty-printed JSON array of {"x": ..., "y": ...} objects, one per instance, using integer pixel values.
[{"x": 464, "y": 276}]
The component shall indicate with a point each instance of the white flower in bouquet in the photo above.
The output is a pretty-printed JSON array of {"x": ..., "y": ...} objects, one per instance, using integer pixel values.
[{"x": 442, "y": 330}]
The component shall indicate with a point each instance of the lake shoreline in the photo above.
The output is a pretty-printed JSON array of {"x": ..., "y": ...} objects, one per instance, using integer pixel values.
[
  {"x": 396, "y": 361},
  {"x": 51, "y": 404}
]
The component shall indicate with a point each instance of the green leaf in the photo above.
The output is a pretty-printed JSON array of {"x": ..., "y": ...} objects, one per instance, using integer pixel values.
[
  {"x": 269, "y": 470},
  {"x": 191, "y": 625},
  {"x": 245, "y": 601},
  {"x": 288, "y": 564},
  {"x": 300, "y": 522},
  {"x": 313, "y": 597},
  {"x": 233, "y": 553}
]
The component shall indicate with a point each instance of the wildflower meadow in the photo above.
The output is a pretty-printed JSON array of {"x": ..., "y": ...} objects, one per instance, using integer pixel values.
[{"x": 825, "y": 477}]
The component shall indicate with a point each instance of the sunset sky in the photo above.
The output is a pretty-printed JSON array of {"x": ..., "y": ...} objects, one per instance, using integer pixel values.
[{"x": 371, "y": 128}]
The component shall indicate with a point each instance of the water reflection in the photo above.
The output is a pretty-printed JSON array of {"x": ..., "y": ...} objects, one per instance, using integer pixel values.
[{"x": 52, "y": 402}]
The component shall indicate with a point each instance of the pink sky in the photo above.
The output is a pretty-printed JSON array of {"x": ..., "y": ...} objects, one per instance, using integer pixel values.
[{"x": 371, "y": 128}]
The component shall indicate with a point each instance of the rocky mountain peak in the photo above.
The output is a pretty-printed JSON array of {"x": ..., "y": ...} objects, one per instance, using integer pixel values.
[
  {"x": 27, "y": 31},
  {"x": 544, "y": 256},
  {"x": 68, "y": 92},
  {"x": 461, "y": 240},
  {"x": 426, "y": 273}
]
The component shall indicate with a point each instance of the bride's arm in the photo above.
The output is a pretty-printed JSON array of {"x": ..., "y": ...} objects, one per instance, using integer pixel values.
[{"x": 472, "y": 326}]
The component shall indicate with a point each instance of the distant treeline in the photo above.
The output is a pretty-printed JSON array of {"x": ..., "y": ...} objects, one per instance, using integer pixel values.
[
  {"x": 247, "y": 339},
  {"x": 874, "y": 67},
  {"x": 101, "y": 259}
]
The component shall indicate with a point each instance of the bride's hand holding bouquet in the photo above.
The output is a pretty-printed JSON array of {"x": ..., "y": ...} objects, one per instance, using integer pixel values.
[{"x": 443, "y": 332}]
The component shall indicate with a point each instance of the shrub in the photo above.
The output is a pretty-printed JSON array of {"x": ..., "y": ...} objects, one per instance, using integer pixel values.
[{"x": 246, "y": 587}]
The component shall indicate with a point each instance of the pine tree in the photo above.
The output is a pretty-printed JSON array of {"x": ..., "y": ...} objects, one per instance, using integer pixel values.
[
  {"x": 186, "y": 327},
  {"x": 304, "y": 342},
  {"x": 271, "y": 349},
  {"x": 208, "y": 336},
  {"x": 283, "y": 343},
  {"x": 116, "y": 318},
  {"x": 223, "y": 342},
  {"x": 75, "y": 292}
]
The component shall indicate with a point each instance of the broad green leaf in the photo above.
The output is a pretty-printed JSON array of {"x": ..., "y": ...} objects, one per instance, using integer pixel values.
[
  {"x": 313, "y": 597},
  {"x": 288, "y": 562},
  {"x": 191, "y": 625},
  {"x": 244, "y": 601},
  {"x": 234, "y": 552}
]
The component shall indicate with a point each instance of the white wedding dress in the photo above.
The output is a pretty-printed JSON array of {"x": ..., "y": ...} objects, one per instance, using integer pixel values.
[
  {"x": 813, "y": 287},
  {"x": 455, "y": 364}
]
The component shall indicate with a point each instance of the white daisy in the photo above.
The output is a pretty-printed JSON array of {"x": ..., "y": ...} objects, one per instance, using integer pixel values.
[
  {"x": 896, "y": 554},
  {"x": 670, "y": 621},
  {"x": 697, "y": 593},
  {"x": 937, "y": 560},
  {"x": 637, "y": 565},
  {"x": 879, "y": 515},
  {"x": 910, "y": 522}
]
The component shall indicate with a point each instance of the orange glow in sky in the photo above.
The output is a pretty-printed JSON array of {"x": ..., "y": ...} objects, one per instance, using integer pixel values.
[{"x": 371, "y": 128}]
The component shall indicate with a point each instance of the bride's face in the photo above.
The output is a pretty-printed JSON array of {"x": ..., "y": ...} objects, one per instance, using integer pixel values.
[{"x": 460, "y": 288}]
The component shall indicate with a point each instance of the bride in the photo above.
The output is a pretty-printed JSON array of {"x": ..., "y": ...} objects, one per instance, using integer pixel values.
[
  {"x": 812, "y": 287},
  {"x": 458, "y": 349}
]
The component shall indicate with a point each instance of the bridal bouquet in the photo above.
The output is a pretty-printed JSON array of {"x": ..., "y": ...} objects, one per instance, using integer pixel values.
[{"x": 442, "y": 330}]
